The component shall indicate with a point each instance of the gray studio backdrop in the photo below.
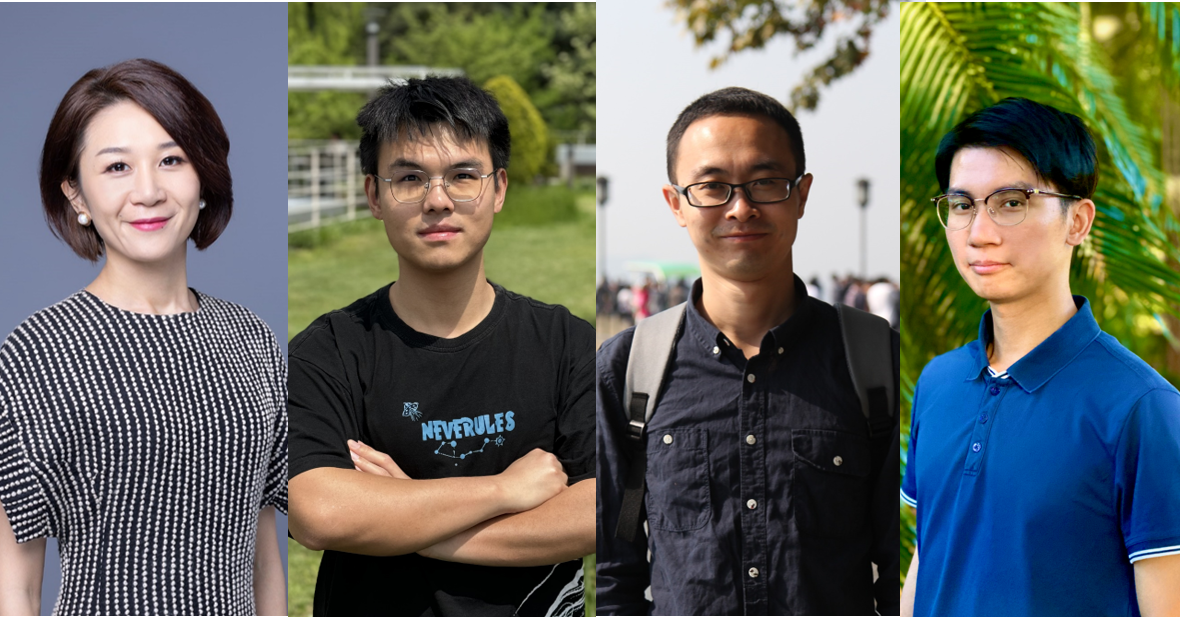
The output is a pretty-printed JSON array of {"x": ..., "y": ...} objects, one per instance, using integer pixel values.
[{"x": 236, "y": 54}]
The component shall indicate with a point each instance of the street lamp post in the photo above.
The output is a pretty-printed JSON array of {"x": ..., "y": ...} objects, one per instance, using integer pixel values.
[
  {"x": 862, "y": 187},
  {"x": 603, "y": 185}
]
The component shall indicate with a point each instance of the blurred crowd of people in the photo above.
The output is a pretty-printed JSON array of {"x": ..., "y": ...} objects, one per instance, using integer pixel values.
[{"x": 632, "y": 302}]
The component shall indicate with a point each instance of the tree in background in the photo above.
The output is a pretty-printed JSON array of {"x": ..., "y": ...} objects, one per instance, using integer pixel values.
[
  {"x": 318, "y": 34},
  {"x": 750, "y": 24},
  {"x": 570, "y": 97},
  {"x": 959, "y": 57},
  {"x": 530, "y": 137}
]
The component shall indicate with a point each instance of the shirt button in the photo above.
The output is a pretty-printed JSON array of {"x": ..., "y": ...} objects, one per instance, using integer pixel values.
[
  {"x": 751, "y": 504},
  {"x": 780, "y": 351},
  {"x": 995, "y": 390},
  {"x": 838, "y": 461},
  {"x": 983, "y": 418},
  {"x": 716, "y": 350},
  {"x": 750, "y": 378},
  {"x": 753, "y": 573},
  {"x": 667, "y": 439},
  {"x": 750, "y": 439},
  {"x": 975, "y": 447}
]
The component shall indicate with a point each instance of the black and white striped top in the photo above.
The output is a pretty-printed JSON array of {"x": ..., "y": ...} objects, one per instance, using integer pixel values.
[{"x": 147, "y": 444}]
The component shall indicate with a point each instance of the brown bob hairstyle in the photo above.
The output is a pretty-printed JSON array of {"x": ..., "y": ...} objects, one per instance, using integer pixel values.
[{"x": 181, "y": 110}]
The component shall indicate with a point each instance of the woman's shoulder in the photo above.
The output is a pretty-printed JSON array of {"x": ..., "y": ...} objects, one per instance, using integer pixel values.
[
  {"x": 233, "y": 315},
  {"x": 57, "y": 319}
]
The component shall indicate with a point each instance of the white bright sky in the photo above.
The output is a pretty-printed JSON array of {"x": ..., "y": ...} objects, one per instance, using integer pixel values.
[{"x": 649, "y": 70}]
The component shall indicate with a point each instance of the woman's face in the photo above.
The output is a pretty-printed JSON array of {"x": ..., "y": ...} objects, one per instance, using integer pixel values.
[{"x": 137, "y": 186}]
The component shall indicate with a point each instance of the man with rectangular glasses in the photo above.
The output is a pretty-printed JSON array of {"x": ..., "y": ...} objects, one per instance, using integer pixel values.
[
  {"x": 767, "y": 491},
  {"x": 442, "y": 439},
  {"x": 1044, "y": 458}
]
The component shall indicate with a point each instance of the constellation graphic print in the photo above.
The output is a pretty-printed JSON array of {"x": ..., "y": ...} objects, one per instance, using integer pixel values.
[
  {"x": 455, "y": 436},
  {"x": 411, "y": 411}
]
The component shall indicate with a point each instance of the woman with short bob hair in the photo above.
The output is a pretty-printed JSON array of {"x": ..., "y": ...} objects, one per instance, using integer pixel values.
[{"x": 142, "y": 423}]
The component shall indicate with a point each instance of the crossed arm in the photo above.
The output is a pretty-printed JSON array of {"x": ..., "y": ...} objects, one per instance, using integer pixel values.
[{"x": 521, "y": 517}]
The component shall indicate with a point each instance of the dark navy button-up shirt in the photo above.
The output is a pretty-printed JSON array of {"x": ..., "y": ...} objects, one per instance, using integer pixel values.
[
  {"x": 765, "y": 493},
  {"x": 1035, "y": 493}
]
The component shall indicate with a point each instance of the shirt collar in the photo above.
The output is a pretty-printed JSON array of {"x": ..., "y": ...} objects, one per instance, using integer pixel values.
[
  {"x": 1053, "y": 354},
  {"x": 706, "y": 336}
]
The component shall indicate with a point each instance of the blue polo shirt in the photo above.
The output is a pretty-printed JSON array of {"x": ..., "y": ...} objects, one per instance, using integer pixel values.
[{"x": 1036, "y": 492}]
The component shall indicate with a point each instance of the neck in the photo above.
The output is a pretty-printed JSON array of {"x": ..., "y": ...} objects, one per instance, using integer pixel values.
[
  {"x": 1019, "y": 326},
  {"x": 158, "y": 288},
  {"x": 744, "y": 311},
  {"x": 443, "y": 304}
]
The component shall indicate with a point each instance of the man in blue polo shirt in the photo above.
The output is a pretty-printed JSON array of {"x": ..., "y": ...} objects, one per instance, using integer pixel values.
[{"x": 1044, "y": 457}]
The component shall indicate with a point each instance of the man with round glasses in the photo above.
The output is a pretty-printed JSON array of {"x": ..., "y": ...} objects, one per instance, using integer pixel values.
[
  {"x": 1043, "y": 457},
  {"x": 767, "y": 491},
  {"x": 442, "y": 439}
]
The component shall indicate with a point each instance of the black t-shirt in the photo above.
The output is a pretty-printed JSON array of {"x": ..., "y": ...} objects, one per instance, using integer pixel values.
[{"x": 468, "y": 406}]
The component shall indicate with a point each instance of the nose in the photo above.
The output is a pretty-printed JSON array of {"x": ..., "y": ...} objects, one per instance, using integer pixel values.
[
  {"x": 147, "y": 191},
  {"x": 739, "y": 207},
  {"x": 437, "y": 200},
  {"x": 983, "y": 230}
]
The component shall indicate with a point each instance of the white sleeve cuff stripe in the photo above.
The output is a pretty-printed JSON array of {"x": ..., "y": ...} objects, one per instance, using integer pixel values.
[
  {"x": 1155, "y": 552},
  {"x": 910, "y": 500}
]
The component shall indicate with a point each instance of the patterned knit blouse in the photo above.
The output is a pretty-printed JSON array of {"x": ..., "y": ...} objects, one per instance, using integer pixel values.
[{"x": 147, "y": 444}]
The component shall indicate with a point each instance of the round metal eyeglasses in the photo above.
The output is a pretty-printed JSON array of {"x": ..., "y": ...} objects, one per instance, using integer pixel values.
[
  {"x": 460, "y": 185},
  {"x": 1010, "y": 207},
  {"x": 760, "y": 191}
]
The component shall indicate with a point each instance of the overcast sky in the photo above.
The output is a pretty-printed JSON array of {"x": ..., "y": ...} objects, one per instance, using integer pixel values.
[{"x": 649, "y": 70}]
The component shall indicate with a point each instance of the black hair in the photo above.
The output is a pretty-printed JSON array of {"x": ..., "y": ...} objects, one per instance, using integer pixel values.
[
  {"x": 1055, "y": 143},
  {"x": 736, "y": 102},
  {"x": 415, "y": 107}
]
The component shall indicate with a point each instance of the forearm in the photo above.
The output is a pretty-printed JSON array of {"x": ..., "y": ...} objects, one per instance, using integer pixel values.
[
  {"x": 21, "y": 569},
  {"x": 1157, "y": 586},
  {"x": 270, "y": 584},
  {"x": 558, "y": 530},
  {"x": 911, "y": 584},
  {"x": 356, "y": 512}
]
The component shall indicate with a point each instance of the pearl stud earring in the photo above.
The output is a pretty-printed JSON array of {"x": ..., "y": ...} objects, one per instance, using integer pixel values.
[
  {"x": 201, "y": 205},
  {"x": 83, "y": 220}
]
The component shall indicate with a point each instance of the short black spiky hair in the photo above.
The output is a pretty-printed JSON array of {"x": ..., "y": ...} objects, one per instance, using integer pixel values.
[
  {"x": 1055, "y": 143},
  {"x": 736, "y": 102},
  {"x": 415, "y": 107}
]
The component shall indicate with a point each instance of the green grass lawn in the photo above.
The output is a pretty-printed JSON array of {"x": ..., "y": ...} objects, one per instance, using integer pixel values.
[{"x": 553, "y": 263}]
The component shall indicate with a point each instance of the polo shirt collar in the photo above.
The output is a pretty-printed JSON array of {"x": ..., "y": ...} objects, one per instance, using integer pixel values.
[
  {"x": 1045, "y": 360},
  {"x": 706, "y": 336}
]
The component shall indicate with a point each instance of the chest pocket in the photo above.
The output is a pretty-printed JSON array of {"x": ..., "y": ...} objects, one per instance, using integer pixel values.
[
  {"x": 830, "y": 484},
  {"x": 678, "y": 479}
]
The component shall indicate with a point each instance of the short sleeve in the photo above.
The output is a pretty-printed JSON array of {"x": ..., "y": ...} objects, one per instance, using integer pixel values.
[
  {"x": 21, "y": 492},
  {"x": 275, "y": 493},
  {"x": 909, "y": 484},
  {"x": 1146, "y": 479},
  {"x": 575, "y": 445},
  {"x": 319, "y": 403}
]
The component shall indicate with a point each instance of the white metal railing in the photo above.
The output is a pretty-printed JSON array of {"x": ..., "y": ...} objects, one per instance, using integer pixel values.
[
  {"x": 357, "y": 78},
  {"x": 324, "y": 183}
]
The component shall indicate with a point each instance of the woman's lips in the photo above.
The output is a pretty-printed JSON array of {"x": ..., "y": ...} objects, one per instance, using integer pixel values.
[{"x": 149, "y": 224}]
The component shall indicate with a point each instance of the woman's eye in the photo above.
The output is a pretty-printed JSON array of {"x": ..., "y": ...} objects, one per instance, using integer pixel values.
[
  {"x": 172, "y": 161},
  {"x": 117, "y": 167}
]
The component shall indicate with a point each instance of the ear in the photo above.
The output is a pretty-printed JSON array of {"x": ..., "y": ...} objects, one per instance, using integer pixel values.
[
  {"x": 1079, "y": 219},
  {"x": 804, "y": 188},
  {"x": 371, "y": 188},
  {"x": 501, "y": 186},
  {"x": 672, "y": 196},
  {"x": 70, "y": 190}
]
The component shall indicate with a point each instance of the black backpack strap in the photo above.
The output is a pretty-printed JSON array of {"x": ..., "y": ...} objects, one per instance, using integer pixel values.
[
  {"x": 870, "y": 363},
  {"x": 651, "y": 348}
]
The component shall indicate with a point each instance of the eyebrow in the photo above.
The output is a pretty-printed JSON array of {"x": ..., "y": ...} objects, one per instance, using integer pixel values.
[
  {"x": 765, "y": 165},
  {"x": 409, "y": 164},
  {"x": 121, "y": 150},
  {"x": 1015, "y": 185}
]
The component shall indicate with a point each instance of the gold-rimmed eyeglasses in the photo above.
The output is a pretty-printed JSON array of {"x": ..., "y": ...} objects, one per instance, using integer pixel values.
[
  {"x": 460, "y": 185},
  {"x": 956, "y": 211}
]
